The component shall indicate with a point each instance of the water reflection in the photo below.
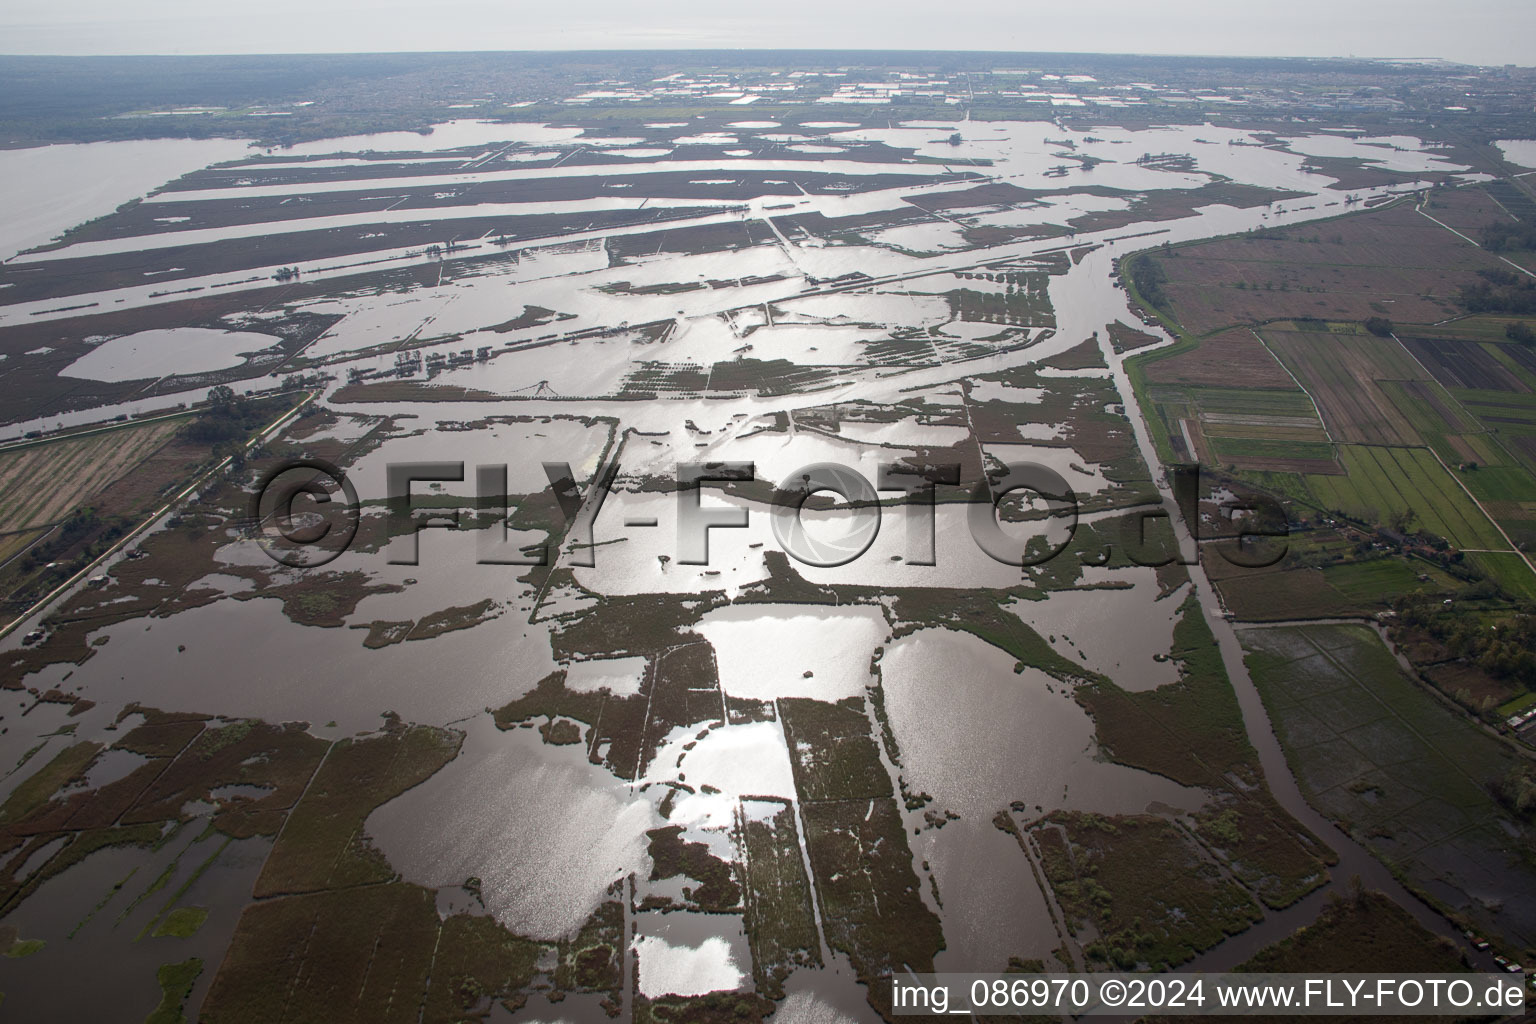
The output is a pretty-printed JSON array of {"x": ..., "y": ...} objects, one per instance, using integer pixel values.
[
  {"x": 976, "y": 736},
  {"x": 544, "y": 830}
]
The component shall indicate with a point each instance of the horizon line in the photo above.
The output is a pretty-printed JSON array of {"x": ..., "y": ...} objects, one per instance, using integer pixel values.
[{"x": 763, "y": 50}]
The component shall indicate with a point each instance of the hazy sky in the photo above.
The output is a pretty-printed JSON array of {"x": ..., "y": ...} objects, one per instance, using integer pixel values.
[{"x": 1474, "y": 31}]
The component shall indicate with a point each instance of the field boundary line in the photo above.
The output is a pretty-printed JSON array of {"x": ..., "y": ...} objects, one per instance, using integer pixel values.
[
  {"x": 1467, "y": 415},
  {"x": 1302, "y": 387},
  {"x": 37, "y": 442},
  {"x": 1512, "y": 546},
  {"x": 1474, "y": 242}
]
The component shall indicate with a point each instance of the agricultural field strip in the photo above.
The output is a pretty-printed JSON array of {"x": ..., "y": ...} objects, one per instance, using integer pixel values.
[
  {"x": 1311, "y": 439},
  {"x": 1381, "y": 486},
  {"x": 1446, "y": 507},
  {"x": 1343, "y": 370},
  {"x": 1316, "y": 411},
  {"x": 1506, "y": 357},
  {"x": 1495, "y": 523},
  {"x": 1466, "y": 413},
  {"x": 39, "y": 485},
  {"x": 1234, "y": 419},
  {"x": 1451, "y": 761},
  {"x": 1244, "y": 402},
  {"x": 1472, "y": 497}
]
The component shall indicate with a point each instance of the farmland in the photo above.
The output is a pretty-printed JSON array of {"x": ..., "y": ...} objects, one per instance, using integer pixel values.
[
  {"x": 1410, "y": 423},
  {"x": 1222, "y": 358},
  {"x": 1324, "y": 581},
  {"x": 40, "y": 483},
  {"x": 1403, "y": 773},
  {"x": 61, "y": 500},
  {"x": 1262, "y": 429},
  {"x": 1334, "y": 271},
  {"x": 1469, "y": 366},
  {"x": 1340, "y": 369},
  {"x": 1381, "y": 483},
  {"x": 62, "y": 516}
]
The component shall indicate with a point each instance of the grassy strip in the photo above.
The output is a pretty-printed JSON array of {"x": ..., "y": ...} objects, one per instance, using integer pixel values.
[
  {"x": 176, "y": 981},
  {"x": 69, "y": 763},
  {"x": 780, "y": 922},
  {"x": 182, "y": 923}
]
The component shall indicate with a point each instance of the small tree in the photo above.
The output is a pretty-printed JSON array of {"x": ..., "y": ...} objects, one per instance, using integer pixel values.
[{"x": 1379, "y": 326}]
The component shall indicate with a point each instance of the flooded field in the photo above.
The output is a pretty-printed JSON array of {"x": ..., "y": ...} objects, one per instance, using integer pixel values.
[{"x": 552, "y": 755}]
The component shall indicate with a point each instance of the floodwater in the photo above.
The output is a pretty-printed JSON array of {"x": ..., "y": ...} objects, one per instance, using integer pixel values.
[
  {"x": 1518, "y": 151},
  {"x": 742, "y": 761},
  {"x": 50, "y": 189},
  {"x": 522, "y": 448},
  {"x": 547, "y": 831},
  {"x": 621, "y": 677},
  {"x": 976, "y": 736},
  {"x": 89, "y": 917},
  {"x": 769, "y": 651},
  {"x": 1118, "y": 630},
  {"x": 245, "y": 658},
  {"x": 688, "y": 954},
  {"x": 160, "y": 353},
  {"x": 447, "y": 135}
]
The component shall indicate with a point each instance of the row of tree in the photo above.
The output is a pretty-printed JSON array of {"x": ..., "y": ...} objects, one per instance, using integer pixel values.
[{"x": 1499, "y": 291}]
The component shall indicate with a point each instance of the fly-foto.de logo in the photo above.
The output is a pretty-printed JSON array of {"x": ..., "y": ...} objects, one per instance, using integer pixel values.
[{"x": 307, "y": 513}]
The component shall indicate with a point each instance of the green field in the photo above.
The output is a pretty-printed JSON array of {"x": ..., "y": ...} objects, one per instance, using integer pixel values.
[
  {"x": 1433, "y": 425},
  {"x": 1382, "y": 579},
  {"x": 1269, "y": 448},
  {"x": 1383, "y": 481},
  {"x": 1407, "y": 775},
  {"x": 1254, "y": 402},
  {"x": 1511, "y": 416},
  {"x": 1499, "y": 483},
  {"x": 1519, "y": 704},
  {"x": 1509, "y": 569}
]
